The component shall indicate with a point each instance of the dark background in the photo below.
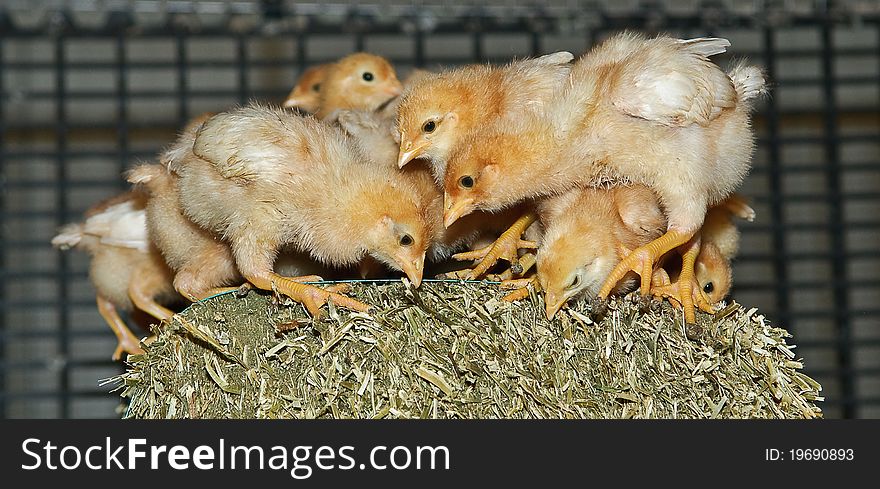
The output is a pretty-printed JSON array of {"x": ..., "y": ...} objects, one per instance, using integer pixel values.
[{"x": 89, "y": 88}]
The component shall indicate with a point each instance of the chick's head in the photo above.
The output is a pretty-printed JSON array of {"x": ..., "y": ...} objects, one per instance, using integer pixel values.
[
  {"x": 474, "y": 180},
  {"x": 572, "y": 262},
  {"x": 358, "y": 81},
  {"x": 306, "y": 94},
  {"x": 713, "y": 272},
  {"x": 428, "y": 120},
  {"x": 398, "y": 233}
]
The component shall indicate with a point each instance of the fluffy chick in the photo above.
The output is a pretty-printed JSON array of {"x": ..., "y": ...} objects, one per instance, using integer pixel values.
[
  {"x": 306, "y": 94},
  {"x": 437, "y": 110},
  {"x": 201, "y": 262},
  {"x": 264, "y": 179},
  {"x": 584, "y": 230},
  {"x": 651, "y": 111},
  {"x": 127, "y": 272},
  {"x": 357, "y": 81}
]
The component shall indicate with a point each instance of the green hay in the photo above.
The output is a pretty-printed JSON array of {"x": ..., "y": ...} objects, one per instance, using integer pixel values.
[{"x": 454, "y": 350}]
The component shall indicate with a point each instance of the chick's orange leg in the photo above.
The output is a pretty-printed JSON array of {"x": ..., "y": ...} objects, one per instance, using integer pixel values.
[
  {"x": 658, "y": 278},
  {"x": 504, "y": 248},
  {"x": 127, "y": 341},
  {"x": 310, "y": 296},
  {"x": 144, "y": 300},
  {"x": 687, "y": 291},
  {"x": 642, "y": 260},
  {"x": 247, "y": 286}
]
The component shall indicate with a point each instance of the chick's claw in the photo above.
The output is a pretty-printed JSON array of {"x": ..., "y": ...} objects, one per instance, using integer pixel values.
[
  {"x": 506, "y": 247},
  {"x": 338, "y": 288},
  {"x": 314, "y": 297},
  {"x": 516, "y": 295},
  {"x": 687, "y": 290},
  {"x": 672, "y": 292},
  {"x": 642, "y": 261},
  {"x": 520, "y": 286},
  {"x": 518, "y": 283}
]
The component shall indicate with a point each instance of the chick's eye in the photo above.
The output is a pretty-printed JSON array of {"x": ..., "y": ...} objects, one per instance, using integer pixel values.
[
  {"x": 316, "y": 87},
  {"x": 429, "y": 126},
  {"x": 406, "y": 240},
  {"x": 367, "y": 76},
  {"x": 466, "y": 181},
  {"x": 708, "y": 288},
  {"x": 575, "y": 282}
]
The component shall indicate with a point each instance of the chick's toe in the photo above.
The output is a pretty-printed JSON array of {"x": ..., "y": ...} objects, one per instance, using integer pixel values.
[{"x": 506, "y": 247}]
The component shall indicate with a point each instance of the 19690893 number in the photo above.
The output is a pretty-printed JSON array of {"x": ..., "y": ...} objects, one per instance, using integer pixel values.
[{"x": 821, "y": 454}]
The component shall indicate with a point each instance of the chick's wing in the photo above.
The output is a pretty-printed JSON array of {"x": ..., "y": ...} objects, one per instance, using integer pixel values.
[
  {"x": 674, "y": 83},
  {"x": 245, "y": 144}
]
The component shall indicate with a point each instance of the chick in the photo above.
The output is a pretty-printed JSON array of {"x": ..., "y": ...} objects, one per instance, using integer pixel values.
[
  {"x": 263, "y": 179},
  {"x": 306, "y": 94},
  {"x": 651, "y": 111},
  {"x": 584, "y": 232},
  {"x": 202, "y": 263},
  {"x": 437, "y": 110},
  {"x": 357, "y": 81},
  {"x": 588, "y": 231},
  {"x": 127, "y": 272}
]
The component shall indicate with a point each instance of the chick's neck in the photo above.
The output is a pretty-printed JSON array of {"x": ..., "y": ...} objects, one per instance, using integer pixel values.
[{"x": 529, "y": 167}]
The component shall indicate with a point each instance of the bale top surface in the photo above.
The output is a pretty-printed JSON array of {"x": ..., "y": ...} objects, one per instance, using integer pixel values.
[{"x": 454, "y": 350}]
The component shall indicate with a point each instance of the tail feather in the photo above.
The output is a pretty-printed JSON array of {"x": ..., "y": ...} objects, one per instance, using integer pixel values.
[
  {"x": 706, "y": 46},
  {"x": 749, "y": 82},
  {"x": 68, "y": 236},
  {"x": 557, "y": 58}
]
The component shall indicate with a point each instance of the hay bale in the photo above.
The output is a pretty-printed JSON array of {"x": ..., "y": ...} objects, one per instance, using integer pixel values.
[{"x": 453, "y": 350}]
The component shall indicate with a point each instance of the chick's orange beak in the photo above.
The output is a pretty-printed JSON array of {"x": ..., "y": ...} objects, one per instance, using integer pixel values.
[
  {"x": 413, "y": 268},
  {"x": 455, "y": 210},
  {"x": 553, "y": 303},
  {"x": 408, "y": 152},
  {"x": 394, "y": 89}
]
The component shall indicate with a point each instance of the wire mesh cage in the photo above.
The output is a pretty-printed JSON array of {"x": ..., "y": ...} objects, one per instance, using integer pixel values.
[{"x": 89, "y": 88}]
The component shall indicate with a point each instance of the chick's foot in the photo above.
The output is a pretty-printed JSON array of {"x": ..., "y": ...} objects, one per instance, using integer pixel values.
[
  {"x": 310, "y": 296},
  {"x": 686, "y": 291},
  {"x": 506, "y": 247},
  {"x": 642, "y": 260},
  {"x": 127, "y": 341},
  {"x": 520, "y": 286}
]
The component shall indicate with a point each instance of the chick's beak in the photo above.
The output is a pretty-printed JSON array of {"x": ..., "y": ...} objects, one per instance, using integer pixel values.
[
  {"x": 292, "y": 102},
  {"x": 454, "y": 211},
  {"x": 413, "y": 269},
  {"x": 408, "y": 153},
  {"x": 394, "y": 89},
  {"x": 553, "y": 303}
]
